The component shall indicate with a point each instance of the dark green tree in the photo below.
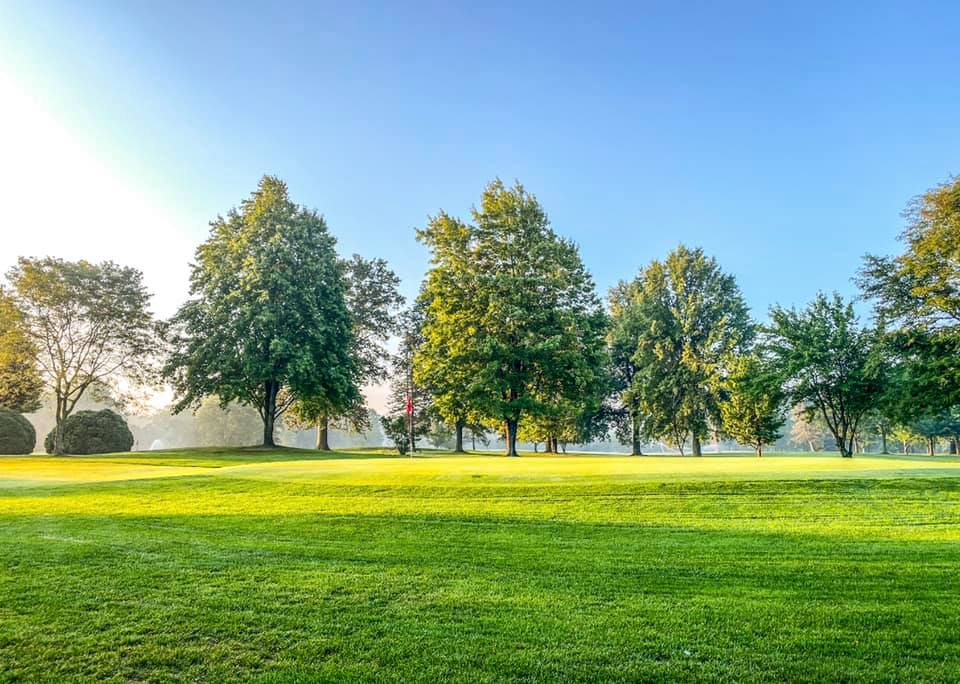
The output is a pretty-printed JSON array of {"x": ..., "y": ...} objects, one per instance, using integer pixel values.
[
  {"x": 446, "y": 363},
  {"x": 17, "y": 435},
  {"x": 267, "y": 322},
  {"x": 373, "y": 299},
  {"x": 831, "y": 364},
  {"x": 523, "y": 329},
  {"x": 689, "y": 318},
  {"x": 92, "y": 432}
]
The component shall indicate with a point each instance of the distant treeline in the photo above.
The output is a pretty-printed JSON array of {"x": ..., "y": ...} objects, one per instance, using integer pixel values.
[{"x": 507, "y": 341}]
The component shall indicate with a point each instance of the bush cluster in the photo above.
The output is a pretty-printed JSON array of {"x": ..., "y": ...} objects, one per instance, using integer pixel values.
[
  {"x": 17, "y": 435},
  {"x": 93, "y": 432}
]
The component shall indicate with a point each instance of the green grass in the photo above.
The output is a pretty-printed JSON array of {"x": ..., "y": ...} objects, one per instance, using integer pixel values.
[{"x": 290, "y": 565}]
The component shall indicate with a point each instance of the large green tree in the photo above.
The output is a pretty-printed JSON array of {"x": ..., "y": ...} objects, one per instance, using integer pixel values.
[
  {"x": 267, "y": 322},
  {"x": 446, "y": 362},
  {"x": 91, "y": 327},
  {"x": 527, "y": 320},
  {"x": 689, "y": 318},
  {"x": 20, "y": 381},
  {"x": 919, "y": 291},
  {"x": 372, "y": 298},
  {"x": 831, "y": 362}
]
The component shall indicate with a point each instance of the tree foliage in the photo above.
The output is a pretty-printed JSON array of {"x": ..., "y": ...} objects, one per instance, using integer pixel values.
[
  {"x": 20, "y": 382},
  {"x": 831, "y": 363},
  {"x": 90, "y": 325},
  {"x": 267, "y": 322},
  {"x": 512, "y": 308},
  {"x": 752, "y": 409},
  {"x": 623, "y": 339},
  {"x": 689, "y": 318},
  {"x": 921, "y": 287},
  {"x": 17, "y": 435},
  {"x": 372, "y": 298},
  {"x": 92, "y": 432}
]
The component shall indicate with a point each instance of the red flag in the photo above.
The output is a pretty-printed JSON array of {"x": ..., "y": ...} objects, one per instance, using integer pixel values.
[{"x": 409, "y": 405}]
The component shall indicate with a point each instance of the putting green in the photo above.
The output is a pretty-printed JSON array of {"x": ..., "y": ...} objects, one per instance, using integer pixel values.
[{"x": 362, "y": 468}]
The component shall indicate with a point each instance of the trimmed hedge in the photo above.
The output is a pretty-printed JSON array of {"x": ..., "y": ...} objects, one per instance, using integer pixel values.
[
  {"x": 93, "y": 432},
  {"x": 17, "y": 435}
]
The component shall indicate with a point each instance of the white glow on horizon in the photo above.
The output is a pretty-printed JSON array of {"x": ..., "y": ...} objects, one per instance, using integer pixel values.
[{"x": 60, "y": 197}]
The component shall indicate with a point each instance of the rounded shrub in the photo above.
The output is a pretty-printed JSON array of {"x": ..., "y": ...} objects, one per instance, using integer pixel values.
[
  {"x": 17, "y": 435},
  {"x": 93, "y": 432}
]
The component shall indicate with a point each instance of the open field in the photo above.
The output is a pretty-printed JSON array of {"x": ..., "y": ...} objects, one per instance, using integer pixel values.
[{"x": 291, "y": 566}]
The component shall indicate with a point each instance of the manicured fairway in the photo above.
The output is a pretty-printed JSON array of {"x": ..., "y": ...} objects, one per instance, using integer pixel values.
[{"x": 294, "y": 566}]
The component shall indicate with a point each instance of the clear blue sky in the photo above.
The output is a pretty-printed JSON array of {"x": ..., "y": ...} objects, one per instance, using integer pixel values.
[{"x": 783, "y": 138}]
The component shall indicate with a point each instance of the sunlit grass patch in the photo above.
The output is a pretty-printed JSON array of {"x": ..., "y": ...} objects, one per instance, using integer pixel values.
[{"x": 293, "y": 566}]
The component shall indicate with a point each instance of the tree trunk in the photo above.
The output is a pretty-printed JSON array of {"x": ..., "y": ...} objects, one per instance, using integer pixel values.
[
  {"x": 323, "y": 433},
  {"x": 58, "y": 431},
  {"x": 952, "y": 450},
  {"x": 458, "y": 448},
  {"x": 58, "y": 439},
  {"x": 548, "y": 446},
  {"x": 512, "y": 436},
  {"x": 931, "y": 445},
  {"x": 695, "y": 445},
  {"x": 759, "y": 450},
  {"x": 269, "y": 412},
  {"x": 635, "y": 447},
  {"x": 883, "y": 440}
]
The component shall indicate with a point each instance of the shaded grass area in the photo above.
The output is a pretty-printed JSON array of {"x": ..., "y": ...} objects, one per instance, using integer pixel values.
[{"x": 215, "y": 577}]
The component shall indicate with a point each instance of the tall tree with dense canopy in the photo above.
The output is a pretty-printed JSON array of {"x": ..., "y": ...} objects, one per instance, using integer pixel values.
[
  {"x": 372, "y": 299},
  {"x": 831, "y": 363},
  {"x": 91, "y": 327},
  {"x": 689, "y": 318},
  {"x": 526, "y": 322},
  {"x": 446, "y": 362},
  {"x": 267, "y": 322},
  {"x": 20, "y": 382}
]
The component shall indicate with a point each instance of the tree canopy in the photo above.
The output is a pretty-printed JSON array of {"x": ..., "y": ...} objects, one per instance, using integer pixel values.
[
  {"x": 688, "y": 318},
  {"x": 91, "y": 327},
  {"x": 831, "y": 363},
  {"x": 921, "y": 286},
  {"x": 372, "y": 299},
  {"x": 752, "y": 407},
  {"x": 524, "y": 328},
  {"x": 267, "y": 322}
]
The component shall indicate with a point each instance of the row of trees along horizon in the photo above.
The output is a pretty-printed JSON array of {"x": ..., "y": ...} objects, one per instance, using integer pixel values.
[{"x": 507, "y": 336}]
